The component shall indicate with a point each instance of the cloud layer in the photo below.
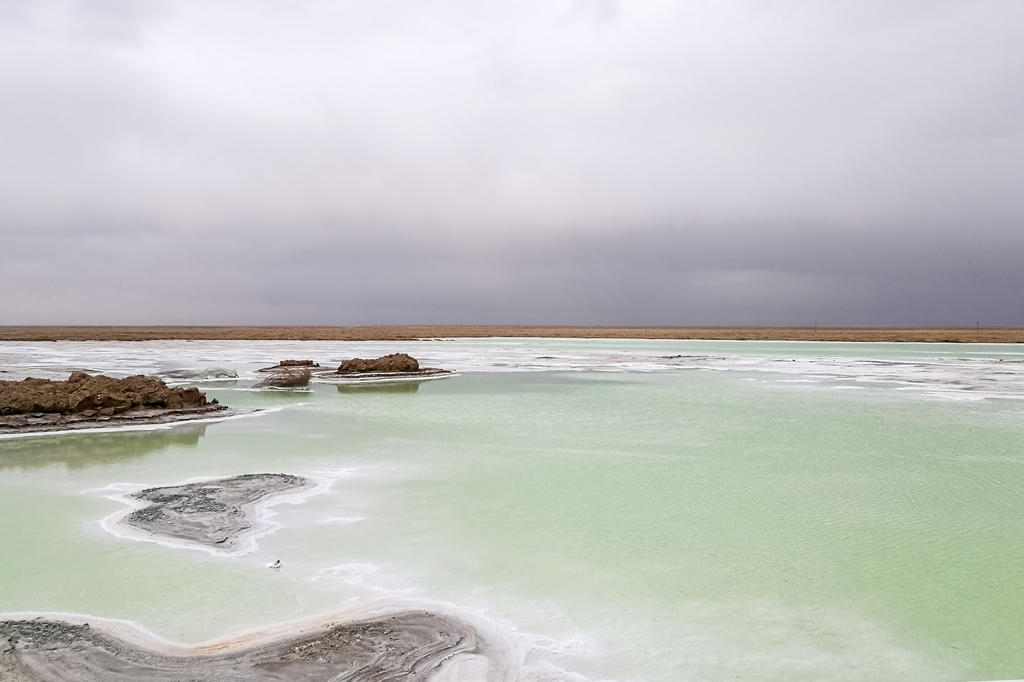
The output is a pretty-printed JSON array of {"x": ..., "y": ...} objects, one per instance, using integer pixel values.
[{"x": 323, "y": 162}]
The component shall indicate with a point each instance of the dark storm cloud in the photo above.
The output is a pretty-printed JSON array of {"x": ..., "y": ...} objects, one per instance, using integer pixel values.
[{"x": 589, "y": 162}]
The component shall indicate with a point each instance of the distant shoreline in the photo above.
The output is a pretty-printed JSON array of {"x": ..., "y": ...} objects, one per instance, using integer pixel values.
[{"x": 418, "y": 332}]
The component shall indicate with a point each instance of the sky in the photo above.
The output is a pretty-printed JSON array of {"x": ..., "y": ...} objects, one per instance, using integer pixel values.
[{"x": 701, "y": 162}]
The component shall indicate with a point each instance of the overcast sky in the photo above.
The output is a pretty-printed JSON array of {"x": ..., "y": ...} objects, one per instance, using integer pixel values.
[{"x": 528, "y": 161}]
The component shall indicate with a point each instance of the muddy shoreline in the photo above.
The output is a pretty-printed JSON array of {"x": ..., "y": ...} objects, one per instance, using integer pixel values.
[
  {"x": 217, "y": 513},
  {"x": 44, "y": 423},
  {"x": 412, "y": 646}
]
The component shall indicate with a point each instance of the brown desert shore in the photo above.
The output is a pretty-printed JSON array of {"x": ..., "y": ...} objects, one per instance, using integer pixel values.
[{"x": 416, "y": 332}]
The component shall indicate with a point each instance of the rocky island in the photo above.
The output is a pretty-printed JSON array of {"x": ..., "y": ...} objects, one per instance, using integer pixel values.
[
  {"x": 393, "y": 366},
  {"x": 409, "y": 646},
  {"x": 86, "y": 401}
]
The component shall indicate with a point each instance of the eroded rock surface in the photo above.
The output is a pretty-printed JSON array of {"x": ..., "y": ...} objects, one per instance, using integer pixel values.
[
  {"x": 99, "y": 394},
  {"x": 86, "y": 401},
  {"x": 290, "y": 364},
  {"x": 396, "y": 362},
  {"x": 409, "y": 646},
  {"x": 214, "y": 513}
]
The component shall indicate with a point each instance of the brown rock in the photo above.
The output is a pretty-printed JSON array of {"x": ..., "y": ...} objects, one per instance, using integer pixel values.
[
  {"x": 396, "y": 362},
  {"x": 286, "y": 365},
  {"x": 85, "y": 394}
]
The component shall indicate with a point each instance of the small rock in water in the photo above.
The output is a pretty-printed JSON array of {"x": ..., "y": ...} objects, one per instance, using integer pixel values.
[
  {"x": 396, "y": 362},
  {"x": 276, "y": 564},
  {"x": 286, "y": 379},
  {"x": 285, "y": 365}
]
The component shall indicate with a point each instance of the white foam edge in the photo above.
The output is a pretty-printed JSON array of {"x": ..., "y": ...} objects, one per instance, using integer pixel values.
[
  {"x": 245, "y": 543},
  {"x": 249, "y": 412},
  {"x": 509, "y": 646},
  {"x": 512, "y": 647}
]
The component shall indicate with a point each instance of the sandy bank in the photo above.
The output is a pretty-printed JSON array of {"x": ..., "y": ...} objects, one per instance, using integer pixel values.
[
  {"x": 414, "y": 332},
  {"x": 408, "y": 646}
]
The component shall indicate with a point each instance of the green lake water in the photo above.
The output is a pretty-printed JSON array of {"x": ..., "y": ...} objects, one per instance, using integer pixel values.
[{"x": 747, "y": 511}]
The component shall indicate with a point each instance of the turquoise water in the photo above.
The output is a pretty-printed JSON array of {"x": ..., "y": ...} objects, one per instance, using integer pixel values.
[{"x": 776, "y": 511}]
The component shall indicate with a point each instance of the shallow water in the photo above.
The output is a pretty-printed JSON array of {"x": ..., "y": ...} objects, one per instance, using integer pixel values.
[{"x": 783, "y": 511}]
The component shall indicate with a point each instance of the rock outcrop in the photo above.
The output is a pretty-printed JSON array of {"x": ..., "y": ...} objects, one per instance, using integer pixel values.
[
  {"x": 88, "y": 402},
  {"x": 295, "y": 378},
  {"x": 396, "y": 362},
  {"x": 297, "y": 363},
  {"x": 98, "y": 395},
  {"x": 285, "y": 365}
]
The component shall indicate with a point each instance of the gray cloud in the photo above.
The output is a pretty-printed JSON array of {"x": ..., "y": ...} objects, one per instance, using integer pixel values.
[{"x": 680, "y": 163}]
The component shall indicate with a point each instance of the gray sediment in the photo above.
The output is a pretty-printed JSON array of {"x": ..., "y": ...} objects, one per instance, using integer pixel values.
[
  {"x": 409, "y": 646},
  {"x": 43, "y": 423},
  {"x": 215, "y": 513}
]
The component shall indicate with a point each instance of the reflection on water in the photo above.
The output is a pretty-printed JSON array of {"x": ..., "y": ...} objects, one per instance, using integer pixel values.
[
  {"x": 76, "y": 451},
  {"x": 272, "y": 396},
  {"x": 381, "y": 387}
]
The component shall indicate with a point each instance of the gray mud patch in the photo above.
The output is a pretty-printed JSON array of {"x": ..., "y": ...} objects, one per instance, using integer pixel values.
[
  {"x": 408, "y": 646},
  {"x": 214, "y": 513}
]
